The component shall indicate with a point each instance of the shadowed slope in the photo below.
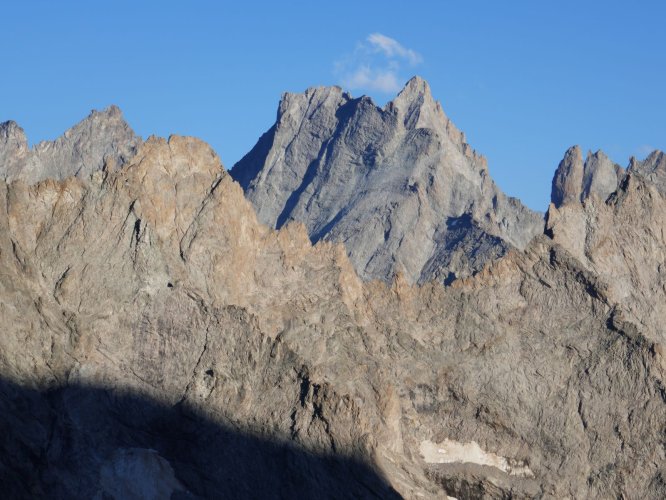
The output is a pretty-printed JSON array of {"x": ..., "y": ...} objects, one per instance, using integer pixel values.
[{"x": 89, "y": 442}]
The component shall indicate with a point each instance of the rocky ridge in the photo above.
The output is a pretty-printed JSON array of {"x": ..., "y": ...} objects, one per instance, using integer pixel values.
[
  {"x": 615, "y": 229},
  {"x": 576, "y": 180},
  {"x": 161, "y": 342},
  {"x": 102, "y": 140},
  {"x": 398, "y": 185}
]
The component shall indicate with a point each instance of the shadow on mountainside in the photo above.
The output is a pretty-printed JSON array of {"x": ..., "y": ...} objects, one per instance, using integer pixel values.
[{"x": 82, "y": 442}]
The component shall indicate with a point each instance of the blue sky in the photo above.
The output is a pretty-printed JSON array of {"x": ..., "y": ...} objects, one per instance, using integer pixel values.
[{"x": 523, "y": 80}]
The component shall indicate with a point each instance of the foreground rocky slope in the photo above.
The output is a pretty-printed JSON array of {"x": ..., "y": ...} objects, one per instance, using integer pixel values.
[
  {"x": 158, "y": 341},
  {"x": 398, "y": 185}
]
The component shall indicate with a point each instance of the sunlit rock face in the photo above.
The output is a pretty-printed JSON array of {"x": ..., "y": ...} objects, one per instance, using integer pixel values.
[
  {"x": 613, "y": 220},
  {"x": 576, "y": 180},
  {"x": 159, "y": 341},
  {"x": 390, "y": 183}
]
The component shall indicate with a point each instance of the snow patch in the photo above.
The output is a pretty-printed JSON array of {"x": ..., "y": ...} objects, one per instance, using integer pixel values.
[{"x": 449, "y": 451}]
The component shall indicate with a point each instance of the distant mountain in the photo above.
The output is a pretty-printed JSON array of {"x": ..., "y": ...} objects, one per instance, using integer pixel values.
[
  {"x": 102, "y": 140},
  {"x": 398, "y": 185}
]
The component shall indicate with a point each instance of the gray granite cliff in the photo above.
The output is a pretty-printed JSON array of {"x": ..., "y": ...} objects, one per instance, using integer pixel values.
[{"x": 398, "y": 185}]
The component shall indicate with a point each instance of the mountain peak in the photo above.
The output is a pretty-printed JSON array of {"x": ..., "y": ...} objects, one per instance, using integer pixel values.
[
  {"x": 415, "y": 87},
  {"x": 102, "y": 138},
  {"x": 8, "y": 127},
  {"x": 13, "y": 143},
  {"x": 112, "y": 110},
  {"x": 372, "y": 178},
  {"x": 416, "y": 107},
  {"x": 12, "y": 135},
  {"x": 576, "y": 180},
  {"x": 655, "y": 157},
  {"x": 653, "y": 169},
  {"x": 109, "y": 120},
  {"x": 295, "y": 107}
]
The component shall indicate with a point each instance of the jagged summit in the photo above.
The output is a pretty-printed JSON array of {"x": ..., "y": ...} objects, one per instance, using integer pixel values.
[
  {"x": 416, "y": 85},
  {"x": 13, "y": 142},
  {"x": 416, "y": 92},
  {"x": 576, "y": 180},
  {"x": 416, "y": 107},
  {"x": 611, "y": 220},
  {"x": 652, "y": 168},
  {"x": 11, "y": 131},
  {"x": 419, "y": 109},
  {"x": 389, "y": 183},
  {"x": 101, "y": 139}
]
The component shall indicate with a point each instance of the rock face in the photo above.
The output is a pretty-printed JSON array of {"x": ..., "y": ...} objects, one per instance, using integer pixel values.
[
  {"x": 576, "y": 181},
  {"x": 398, "y": 185},
  {"x": 616, "y": 231},
  {"x": 101, "y": 140},
  {"x": 158, "y": 341}
]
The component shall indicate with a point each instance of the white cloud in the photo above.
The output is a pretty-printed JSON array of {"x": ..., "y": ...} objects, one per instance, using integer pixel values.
[
  {"x": 375, "y": 65},
  {"x": 364, "y": 77},
  {"x": 392, "y": 48}
]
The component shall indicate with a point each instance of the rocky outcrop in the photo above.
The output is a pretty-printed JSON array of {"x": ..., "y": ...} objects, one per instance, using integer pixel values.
[
  {"x": 102, "y": 140},
  {"x": 653, "y": 169},
  {"x": 568, "y": 179},
  {"x": 576, "y": 181},
  {"x": 398, "y": 185},
  {"x": 160, "y": 342},
  {"x": 619, "y": 237}
]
